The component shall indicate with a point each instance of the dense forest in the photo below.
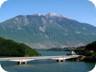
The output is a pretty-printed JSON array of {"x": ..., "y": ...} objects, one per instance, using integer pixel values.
[
  {"x": 12, "y": 48},
  {"x": 88, "y": 52}
]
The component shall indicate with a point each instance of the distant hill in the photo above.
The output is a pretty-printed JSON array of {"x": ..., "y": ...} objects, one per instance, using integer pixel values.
[
  {"x": 11, "y": 48},
  {"x": 47, "y": 31}
]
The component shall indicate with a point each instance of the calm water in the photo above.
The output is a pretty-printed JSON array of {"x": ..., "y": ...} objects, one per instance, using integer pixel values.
[{"x": 49, "y": 65}]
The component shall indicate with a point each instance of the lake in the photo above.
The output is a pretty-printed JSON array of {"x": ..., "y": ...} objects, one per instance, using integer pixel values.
[{"x": 49, "y": 65}]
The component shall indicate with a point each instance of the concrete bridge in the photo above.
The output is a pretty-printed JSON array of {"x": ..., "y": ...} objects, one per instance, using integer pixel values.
[{"x": 24, "y": 60}]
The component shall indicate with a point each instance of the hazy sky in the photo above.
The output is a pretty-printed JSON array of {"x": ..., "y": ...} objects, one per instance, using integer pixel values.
[{"x": 81, "y": 10}]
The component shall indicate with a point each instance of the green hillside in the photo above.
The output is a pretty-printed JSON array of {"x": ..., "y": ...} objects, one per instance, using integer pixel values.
[
  {"x": 88, "y": 52},
  {"x": 12, "y": 48}
]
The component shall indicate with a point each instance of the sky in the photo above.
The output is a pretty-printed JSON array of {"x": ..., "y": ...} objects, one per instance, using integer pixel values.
[{"x": 80, "y": 10}]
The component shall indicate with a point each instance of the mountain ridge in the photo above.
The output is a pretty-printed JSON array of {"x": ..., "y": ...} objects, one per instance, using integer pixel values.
[{"x": 47, "y": 31}]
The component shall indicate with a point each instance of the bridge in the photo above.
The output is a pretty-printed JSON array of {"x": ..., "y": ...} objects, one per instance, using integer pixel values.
[{"x": 24, "y": 60}]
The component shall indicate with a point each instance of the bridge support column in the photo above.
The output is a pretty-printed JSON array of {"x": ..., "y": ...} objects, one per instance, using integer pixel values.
[
  {"x": 59, "y": 60},
  {"x": 19, "y": 63},
  {"x": 22, "y": 62},
  {"x": 62, "y": 60}
]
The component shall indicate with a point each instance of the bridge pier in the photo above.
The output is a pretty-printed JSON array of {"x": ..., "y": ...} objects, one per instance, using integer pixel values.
[
  {"x": 60, "y": 60},
  {"x": 19, "y": 63},
  {"x": 22, "y": 62}
]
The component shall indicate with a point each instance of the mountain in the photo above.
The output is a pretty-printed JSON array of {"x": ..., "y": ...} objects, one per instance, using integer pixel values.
[{"x": 47, "y": 31}]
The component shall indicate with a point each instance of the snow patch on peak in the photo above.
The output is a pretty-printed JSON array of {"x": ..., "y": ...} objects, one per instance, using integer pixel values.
[
  {"x": 37, "y": 14},
  {"x": 54, "y": 14}
]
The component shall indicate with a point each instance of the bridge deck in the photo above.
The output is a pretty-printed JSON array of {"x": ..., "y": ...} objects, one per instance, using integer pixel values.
[{"x": 38, "y": 58}]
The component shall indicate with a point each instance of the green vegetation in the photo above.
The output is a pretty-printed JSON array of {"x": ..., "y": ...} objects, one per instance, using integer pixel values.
[
  {"x": 88, "y": 52},
  {"x": 91, "y": 46},
  {"x": 12, "y": 48}
]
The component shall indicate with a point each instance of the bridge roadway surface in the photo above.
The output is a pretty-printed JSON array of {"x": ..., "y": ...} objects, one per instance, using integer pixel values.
[{"x": 26, "y": 59}]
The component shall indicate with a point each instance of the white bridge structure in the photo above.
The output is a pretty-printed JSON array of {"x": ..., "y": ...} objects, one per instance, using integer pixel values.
[{"x": 24, "y": 60}]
